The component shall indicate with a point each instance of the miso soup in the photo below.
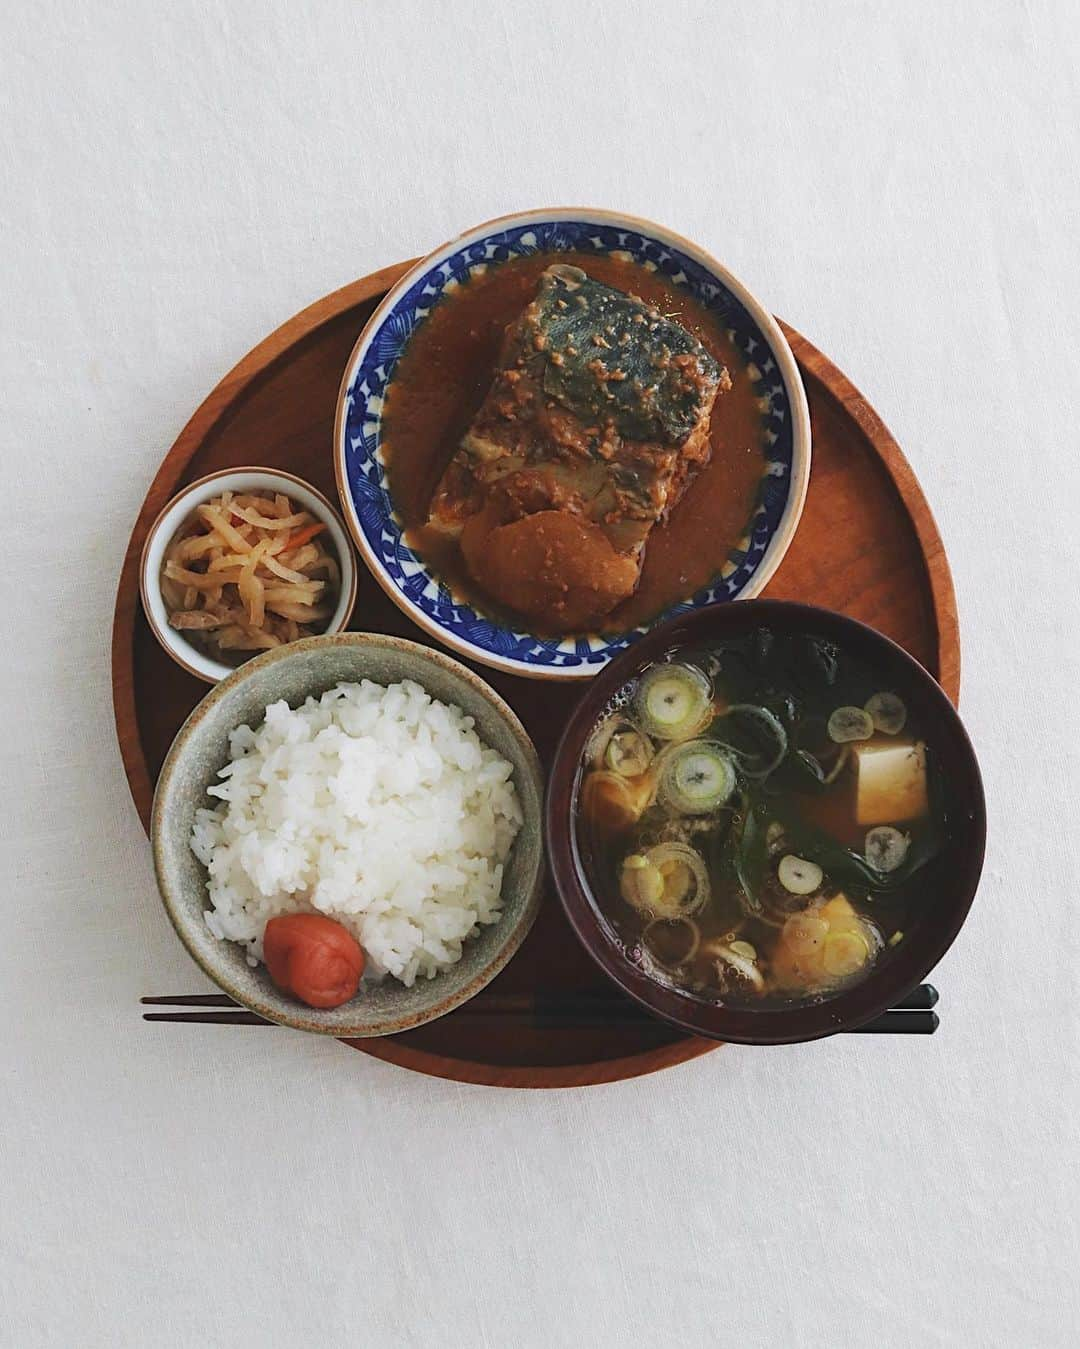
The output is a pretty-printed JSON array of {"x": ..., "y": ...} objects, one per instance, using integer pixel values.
[{"x": 753, "y": 817}]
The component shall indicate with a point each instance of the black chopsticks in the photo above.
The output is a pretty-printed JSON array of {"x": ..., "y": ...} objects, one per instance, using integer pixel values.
[
  {"x": 900, "y": 1022},
  {"x": 556, "y": 1010}
]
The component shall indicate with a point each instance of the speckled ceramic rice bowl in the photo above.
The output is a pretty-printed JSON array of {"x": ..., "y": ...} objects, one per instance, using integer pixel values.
[{"x": 202, "y": 748}]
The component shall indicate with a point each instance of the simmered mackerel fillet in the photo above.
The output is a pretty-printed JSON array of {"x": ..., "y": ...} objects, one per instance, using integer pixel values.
[{"x": 596, "y": 420}]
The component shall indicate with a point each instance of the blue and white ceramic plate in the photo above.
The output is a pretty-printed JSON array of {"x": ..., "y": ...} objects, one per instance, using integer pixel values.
[{"x": 369, "y": 509}]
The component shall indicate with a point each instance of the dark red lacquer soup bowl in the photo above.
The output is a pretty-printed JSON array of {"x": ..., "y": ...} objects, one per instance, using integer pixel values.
[{"x": 935, "y": 893}]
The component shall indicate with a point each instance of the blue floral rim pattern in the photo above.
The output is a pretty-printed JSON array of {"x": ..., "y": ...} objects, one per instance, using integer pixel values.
[{"x": 365, "y": 473}]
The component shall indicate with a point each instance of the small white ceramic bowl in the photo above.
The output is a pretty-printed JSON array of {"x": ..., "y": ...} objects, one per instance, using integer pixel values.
[{"x": 164, "y": 528}]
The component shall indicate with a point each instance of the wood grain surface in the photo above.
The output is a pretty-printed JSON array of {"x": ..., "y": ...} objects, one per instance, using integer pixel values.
[{"x": 867, "y": 546}]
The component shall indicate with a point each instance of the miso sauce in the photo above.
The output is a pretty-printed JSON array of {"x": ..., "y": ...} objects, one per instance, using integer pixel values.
[{"x": 446, "y": 370}]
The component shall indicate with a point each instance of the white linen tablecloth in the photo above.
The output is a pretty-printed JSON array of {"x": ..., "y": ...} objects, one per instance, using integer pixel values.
[{"x": 900, "y": 182}]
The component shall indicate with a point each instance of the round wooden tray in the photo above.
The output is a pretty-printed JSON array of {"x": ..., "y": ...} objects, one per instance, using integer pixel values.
[{"x": 867, "y": 545}]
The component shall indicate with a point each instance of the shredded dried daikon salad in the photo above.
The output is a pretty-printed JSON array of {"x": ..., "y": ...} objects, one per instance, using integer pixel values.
[{"x": 249, "y": 571}]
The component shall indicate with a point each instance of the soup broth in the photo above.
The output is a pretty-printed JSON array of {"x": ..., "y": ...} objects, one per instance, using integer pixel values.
[{"x": 754, "y": 817}]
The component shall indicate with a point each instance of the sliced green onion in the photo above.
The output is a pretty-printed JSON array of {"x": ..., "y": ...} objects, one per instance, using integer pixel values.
[
  {"x": 695, "y": 778},
  {"x": 597, "y": 743},
  {"x": 798, "y": 876},
  {"x": 838, "y": 767},
  {"x": 667, "y": 881},
  {"x": 641, "y": 884},
  {"x": 850, "y": 723},
  {"x": 673, "y": 941},
  {"x": 886, "y": 848},
  {"x": 618, "y": 745},
  {"x": 736, "y": 972},
  {"x": 673, "y": 702},
  {"x": 888, "y": 713},
  {"x": 629, "y": 752}
]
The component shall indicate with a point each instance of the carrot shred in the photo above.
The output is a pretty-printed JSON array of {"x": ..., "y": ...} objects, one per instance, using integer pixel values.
[{"x": 301, "y": 536}]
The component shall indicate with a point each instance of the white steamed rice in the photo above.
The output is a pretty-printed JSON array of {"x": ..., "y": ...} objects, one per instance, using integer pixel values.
[{"x": 379, "y": 807}]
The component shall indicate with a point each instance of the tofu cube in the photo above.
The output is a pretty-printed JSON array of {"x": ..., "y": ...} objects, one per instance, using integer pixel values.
[{"x": 890, "y": 782}]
